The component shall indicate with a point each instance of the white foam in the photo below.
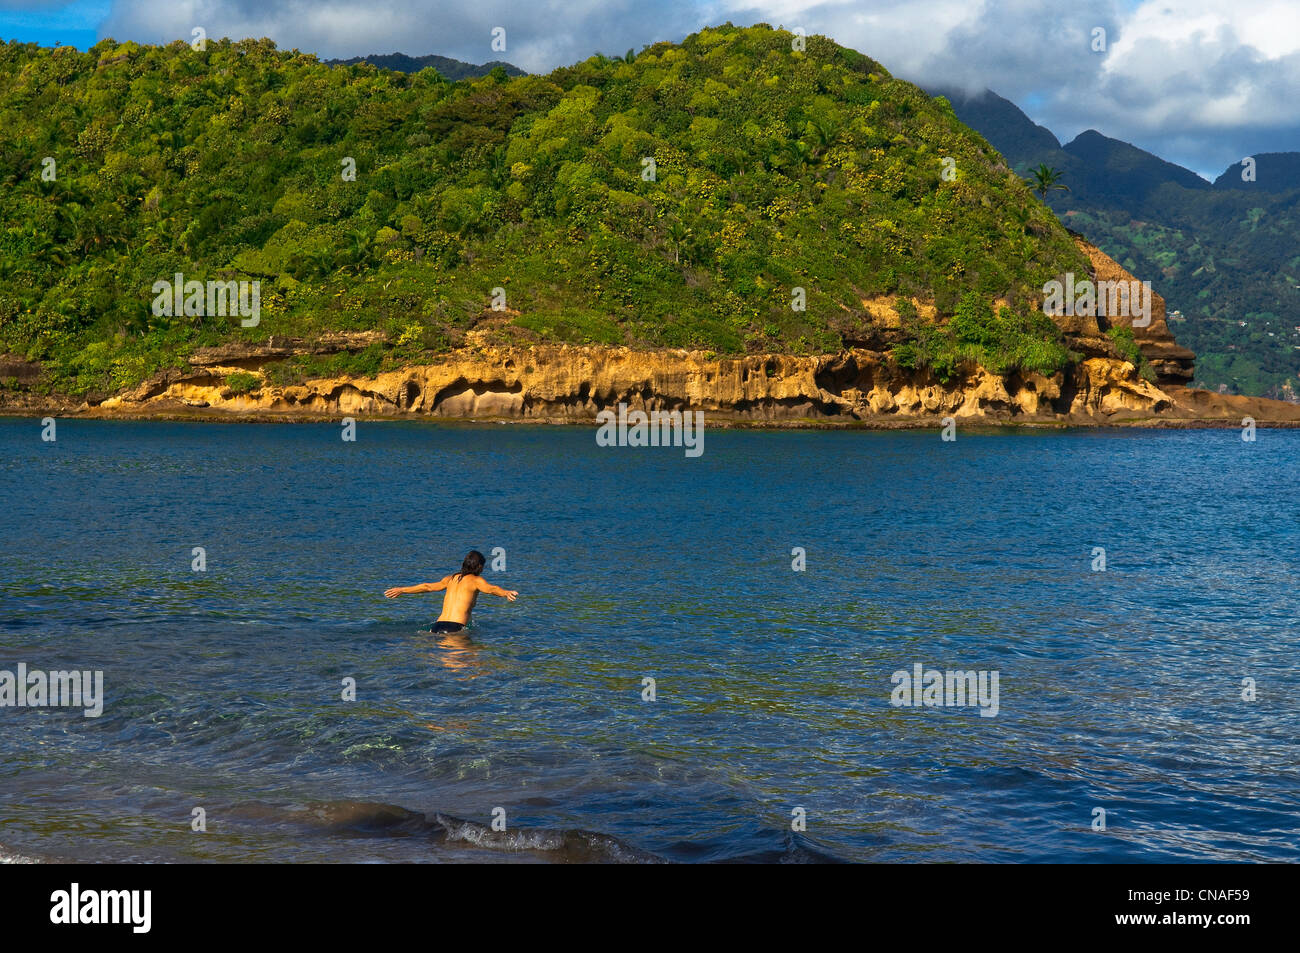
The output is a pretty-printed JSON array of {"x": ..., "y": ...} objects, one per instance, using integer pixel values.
[{"x": 9, "y": 857}]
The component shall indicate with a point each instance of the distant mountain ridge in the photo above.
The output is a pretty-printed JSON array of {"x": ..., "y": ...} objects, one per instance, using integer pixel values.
[
  {"x": 1095, "y": 165},
  {"x": 1224, "y": 254},
  {"x": 1271, "y": 169},
  {"x": 447, "y": 67},
  {"x": 1112, "y": 167},
  {"x": 1002, "y": 123}
]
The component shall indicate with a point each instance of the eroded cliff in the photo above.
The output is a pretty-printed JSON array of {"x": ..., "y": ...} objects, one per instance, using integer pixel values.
[{"x": 570, "y": 384}]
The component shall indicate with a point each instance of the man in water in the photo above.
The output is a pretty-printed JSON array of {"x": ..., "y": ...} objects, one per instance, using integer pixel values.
[{"x": 462, "y": 592}]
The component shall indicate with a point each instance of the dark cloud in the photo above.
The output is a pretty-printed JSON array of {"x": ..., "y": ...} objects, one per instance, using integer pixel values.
[{"x": 538, "y": 36}]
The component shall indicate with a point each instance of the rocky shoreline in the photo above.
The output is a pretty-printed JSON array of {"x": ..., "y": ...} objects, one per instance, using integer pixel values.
[
  {"x": 485, "y": 380},
  {"x": 571, "y": 385}
]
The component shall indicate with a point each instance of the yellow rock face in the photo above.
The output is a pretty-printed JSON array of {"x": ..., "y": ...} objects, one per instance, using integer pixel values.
[
  {"x": 572, "y": 384},
  {"x": 1172, "y": 363}
]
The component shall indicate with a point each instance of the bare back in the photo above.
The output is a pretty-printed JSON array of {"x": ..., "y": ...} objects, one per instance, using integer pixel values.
[
  {"x": 462, "y": 591},
  {"x": 462, "y": 594}
]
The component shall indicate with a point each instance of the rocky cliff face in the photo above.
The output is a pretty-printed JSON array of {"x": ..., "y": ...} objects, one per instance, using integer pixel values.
[
  {"x": 1173, "y": 364},
  {"x": 556, "y": 383},
  {"x": 572, "y": 384}
]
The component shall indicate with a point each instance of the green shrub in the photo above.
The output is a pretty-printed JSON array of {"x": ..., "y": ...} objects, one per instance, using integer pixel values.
[
  {"x": 242, "y": 382},
  {"x": 295, "y": 370},
  {"x": 1127, "y": 346},
  {"x": 1002, "y": 343}
]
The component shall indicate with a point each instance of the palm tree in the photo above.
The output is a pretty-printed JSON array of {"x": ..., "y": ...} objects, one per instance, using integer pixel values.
[
  {"x": 15, "y": 164},
  {"x": 68, "y": 214},
  {"x": 826, "y": 132},
  {"x": 794, "y": 151},
  {"x": 359, "y": 253},
  {"x": 731, "y": 161},
  {"x": 314, "y": 263},
  {"x": 678, "y": 233},
  {"x": 1045, "y": 180},
  {"x": 45, "y": 248}
]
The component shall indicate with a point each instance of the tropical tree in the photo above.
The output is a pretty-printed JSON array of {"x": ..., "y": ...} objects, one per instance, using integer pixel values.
[
  {"x": 1046, "y": 180},
  {"x": 826, "y": 132},
  {"x": 359, "y": 253},
  {"x": 678, "y": 233}
]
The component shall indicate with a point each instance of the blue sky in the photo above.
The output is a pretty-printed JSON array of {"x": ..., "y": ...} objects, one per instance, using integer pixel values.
[
  {"x": 51, "y": 24},
  {"x": 1199, "y": 82}
]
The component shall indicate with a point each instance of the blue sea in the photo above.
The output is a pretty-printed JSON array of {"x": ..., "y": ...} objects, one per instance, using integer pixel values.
[{"x": 701, "y": 663}]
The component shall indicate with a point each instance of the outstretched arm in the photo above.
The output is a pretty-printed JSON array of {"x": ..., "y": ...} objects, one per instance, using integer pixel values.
[
  {"x": 485, "y": 586},
  {"x": 422, "y": 587}
]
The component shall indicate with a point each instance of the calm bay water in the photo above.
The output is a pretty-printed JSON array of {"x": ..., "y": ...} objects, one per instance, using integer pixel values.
[{"x": 1119, "y": 690}]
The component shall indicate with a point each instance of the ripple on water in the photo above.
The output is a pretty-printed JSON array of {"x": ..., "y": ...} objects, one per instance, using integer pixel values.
[{"x": 1119, "y": 689}]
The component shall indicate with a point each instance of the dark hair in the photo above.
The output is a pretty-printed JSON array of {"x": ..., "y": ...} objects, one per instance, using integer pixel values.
[{"x": 473, "y": 564}]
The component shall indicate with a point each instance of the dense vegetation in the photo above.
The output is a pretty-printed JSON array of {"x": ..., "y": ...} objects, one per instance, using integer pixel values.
[
  {"x": 1004, "y": 341},
  {"x": 1224, "y": 255},
  {"x": 775, "y": 170}
]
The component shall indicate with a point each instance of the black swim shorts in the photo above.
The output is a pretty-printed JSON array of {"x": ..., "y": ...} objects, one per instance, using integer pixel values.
[{"x": 447, "y": 627}]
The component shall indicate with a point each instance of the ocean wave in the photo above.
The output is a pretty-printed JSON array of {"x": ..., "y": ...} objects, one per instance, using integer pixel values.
[
  {"x": 563, "y": 845},
  {"x": 548, "y": 844},
  {"x": 8, "y": 856},
  {"x": 557, "y": 845}
]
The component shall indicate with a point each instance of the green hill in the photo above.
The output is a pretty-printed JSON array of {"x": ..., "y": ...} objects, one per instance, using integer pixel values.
[{"x": 774, "y": 170}]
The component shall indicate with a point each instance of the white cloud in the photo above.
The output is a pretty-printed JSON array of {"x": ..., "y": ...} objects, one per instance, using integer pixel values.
[{"x": 1196, "y": 81}]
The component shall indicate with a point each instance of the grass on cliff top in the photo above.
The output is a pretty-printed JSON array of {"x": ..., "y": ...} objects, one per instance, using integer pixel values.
[
  {"x": 774, "y": 169},
  {"x": 1004, "y": 342}
]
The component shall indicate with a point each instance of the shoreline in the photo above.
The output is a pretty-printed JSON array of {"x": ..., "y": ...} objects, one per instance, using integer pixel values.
[
  {"x": 714, "y": 421},
  {"x": 854, "y": 389}
]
